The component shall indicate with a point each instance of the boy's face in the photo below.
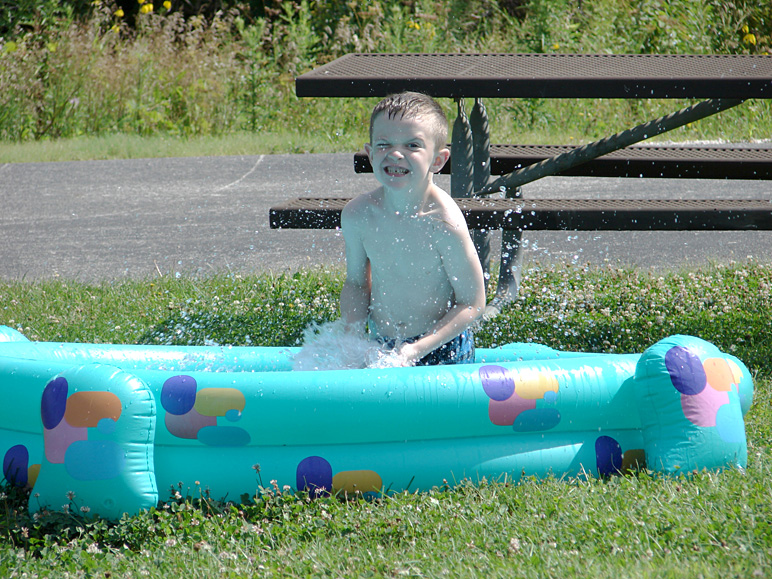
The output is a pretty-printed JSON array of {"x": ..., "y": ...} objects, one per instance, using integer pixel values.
[{"x": 403, "y": 152}]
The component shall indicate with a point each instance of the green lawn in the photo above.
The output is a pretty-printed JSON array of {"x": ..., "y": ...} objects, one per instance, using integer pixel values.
[
  {"x": 710, "y": 524},
  {"x": 79, "y": 84}
]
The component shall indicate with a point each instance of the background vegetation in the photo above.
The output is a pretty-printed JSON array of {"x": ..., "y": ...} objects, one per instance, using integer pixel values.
[{"x": 191, "y": 68}]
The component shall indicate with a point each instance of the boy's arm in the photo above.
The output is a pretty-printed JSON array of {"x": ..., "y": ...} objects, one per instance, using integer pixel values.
[
  {"x": 462, "y": 266},
  {"x": 355, "y": 294}
]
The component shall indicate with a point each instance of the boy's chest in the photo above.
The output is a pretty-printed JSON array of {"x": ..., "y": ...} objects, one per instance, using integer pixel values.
[{"x": 402, "y": 239}]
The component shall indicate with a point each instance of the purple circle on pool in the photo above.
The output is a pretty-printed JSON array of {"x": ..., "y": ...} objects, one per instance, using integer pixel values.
[
  {"x": 53, "y": 403},
  {"x": 497, "y": 382},
  {"x": 178, "y": 394},
  {"x": 608, "y": 456},
  {"x": 314, "y": 474},
  {"x": 686, "y": 371},
  {"x": 15, "y": 465}
]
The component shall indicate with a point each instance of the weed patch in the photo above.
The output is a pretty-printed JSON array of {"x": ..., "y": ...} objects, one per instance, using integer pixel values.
[{"x": 67, "y": 71}]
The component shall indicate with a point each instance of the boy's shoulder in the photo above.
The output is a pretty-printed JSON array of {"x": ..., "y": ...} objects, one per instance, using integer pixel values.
[
  {"x": 362, "y": 206},
  {"x": 369, "y": 199},
  {"x": 439, "y": 209},
  {"x": 444, "y": 209}
]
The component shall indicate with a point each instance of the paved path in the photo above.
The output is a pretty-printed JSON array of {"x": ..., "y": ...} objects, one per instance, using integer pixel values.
[{"x": 106, "y": 220}]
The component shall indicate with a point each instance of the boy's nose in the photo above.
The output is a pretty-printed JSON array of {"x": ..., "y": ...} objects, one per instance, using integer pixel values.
[{"x": 395, "y": 154}]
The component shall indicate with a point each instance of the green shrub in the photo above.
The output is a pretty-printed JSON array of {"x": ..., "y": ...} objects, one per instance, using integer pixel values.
[{"x": 216, "y": 68}]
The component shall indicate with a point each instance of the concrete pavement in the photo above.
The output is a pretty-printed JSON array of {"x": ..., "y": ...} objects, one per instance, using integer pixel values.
[{"x": 111, "y": 220}]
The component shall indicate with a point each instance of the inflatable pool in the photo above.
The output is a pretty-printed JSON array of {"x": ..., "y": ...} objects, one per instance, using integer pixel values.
[{"x": 119, "y": 425}]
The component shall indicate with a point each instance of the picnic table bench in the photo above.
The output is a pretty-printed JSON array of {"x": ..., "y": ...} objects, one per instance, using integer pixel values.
[
  {"x": 563, "y": 214},
  {"x": 638, "y": 161},
  {"x": 727, "y": 80}
]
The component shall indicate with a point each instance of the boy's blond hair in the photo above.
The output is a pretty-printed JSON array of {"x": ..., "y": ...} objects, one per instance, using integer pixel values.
[{"x": 411, "y": 105}]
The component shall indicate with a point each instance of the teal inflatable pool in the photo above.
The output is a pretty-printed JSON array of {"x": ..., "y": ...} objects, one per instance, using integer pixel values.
[{"x": 116, "y": 425}]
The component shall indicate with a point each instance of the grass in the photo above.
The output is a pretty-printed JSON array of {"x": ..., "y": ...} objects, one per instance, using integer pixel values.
[
  {"x": 136, "y": 147},
  {"x": 97, "y": 87},
  {"x": 709, "y": 524},
  {"x": 714, "y": 524},
  {"x": 747, "y": 123},
  {"x": 574, "y": 307}
]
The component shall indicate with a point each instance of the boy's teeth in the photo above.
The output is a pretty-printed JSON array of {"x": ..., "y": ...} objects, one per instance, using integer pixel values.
[{"x": 396, "y": 171}]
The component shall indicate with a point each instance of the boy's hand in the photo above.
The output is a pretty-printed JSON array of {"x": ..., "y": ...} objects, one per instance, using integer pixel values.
[
  {"x": 408, "y": 353},
  {"x": 380, "y": 357}
]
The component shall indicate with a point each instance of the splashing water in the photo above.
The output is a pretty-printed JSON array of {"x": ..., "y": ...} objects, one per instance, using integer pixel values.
[{"x": 330, "y": 347}]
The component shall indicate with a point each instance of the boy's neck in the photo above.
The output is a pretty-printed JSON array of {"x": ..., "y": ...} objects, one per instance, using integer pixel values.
[{"x": 406, "y": 202}]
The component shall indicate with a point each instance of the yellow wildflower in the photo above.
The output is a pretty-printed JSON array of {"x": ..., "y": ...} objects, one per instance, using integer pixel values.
[
  {"x": 745, "y": 29},
  {"x": 115, "y": 28},
  {"x": 119, "y": 13},
  {"x": 141, "y": 2},
  {"x": 168, "y": 5},
  {"x": 750, "y": 39},
  {"x": 146, "y": 8}
]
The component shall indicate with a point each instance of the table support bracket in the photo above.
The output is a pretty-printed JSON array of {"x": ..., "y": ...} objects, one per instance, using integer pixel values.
[
  {"x": 607, "y": 145},
  {"x": 511, "y": 248}
]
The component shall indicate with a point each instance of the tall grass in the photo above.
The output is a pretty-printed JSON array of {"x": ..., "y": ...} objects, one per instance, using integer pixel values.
[{"x": 67, "y": 74}]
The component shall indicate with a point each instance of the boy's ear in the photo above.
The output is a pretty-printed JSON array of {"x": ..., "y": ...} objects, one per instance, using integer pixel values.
[
  {"x": 369, "y": 151},
  {"x": 440, "y": 159}
]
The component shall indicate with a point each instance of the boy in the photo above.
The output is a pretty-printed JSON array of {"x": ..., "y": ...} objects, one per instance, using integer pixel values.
[{"x": 412, "y": 272}]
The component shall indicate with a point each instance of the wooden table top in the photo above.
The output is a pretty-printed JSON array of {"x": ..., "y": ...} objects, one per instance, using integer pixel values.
[{"x": 542, "y": 75}]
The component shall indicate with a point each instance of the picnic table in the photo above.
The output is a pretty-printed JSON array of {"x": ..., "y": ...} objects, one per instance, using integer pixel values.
[{"x": 726, "y": 80}]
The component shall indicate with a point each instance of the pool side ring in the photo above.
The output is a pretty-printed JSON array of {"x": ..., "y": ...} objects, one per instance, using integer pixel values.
[{"x": 110, "y": 429}]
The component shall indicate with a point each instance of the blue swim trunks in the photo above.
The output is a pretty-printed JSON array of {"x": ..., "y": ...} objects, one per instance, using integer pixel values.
[{"x": 460, "y": 350}]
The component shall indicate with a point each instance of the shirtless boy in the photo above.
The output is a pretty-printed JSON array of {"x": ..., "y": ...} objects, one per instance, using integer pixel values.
[{"x": 412, "y": 273}]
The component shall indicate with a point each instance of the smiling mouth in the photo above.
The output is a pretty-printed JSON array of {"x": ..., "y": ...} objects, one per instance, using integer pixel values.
[{"x": 395, "y": 171}]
